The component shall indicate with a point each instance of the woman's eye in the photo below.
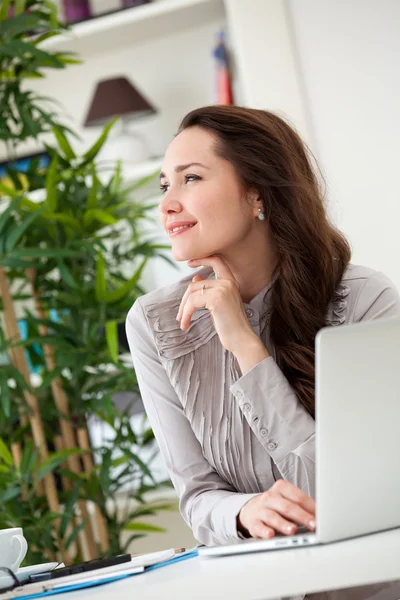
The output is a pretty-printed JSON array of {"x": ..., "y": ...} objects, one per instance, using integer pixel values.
[
  {"x": 165, "y": 186},
  {"x": 191, "y": 177}
]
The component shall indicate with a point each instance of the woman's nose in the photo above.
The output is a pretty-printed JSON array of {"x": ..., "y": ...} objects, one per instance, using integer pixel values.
[{"x": 169, "y": 204}]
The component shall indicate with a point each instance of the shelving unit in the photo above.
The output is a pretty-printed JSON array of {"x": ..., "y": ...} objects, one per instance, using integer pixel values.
[{"x": 135, "y": 25}]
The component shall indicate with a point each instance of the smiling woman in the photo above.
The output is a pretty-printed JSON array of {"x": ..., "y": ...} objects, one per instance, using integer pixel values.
[{"x": 225, "y": 360}]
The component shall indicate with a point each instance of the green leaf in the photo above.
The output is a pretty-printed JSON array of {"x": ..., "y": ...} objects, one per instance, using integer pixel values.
[
  {"x": 64, "y": 144},
  {"x": 67, "y": 277},
  {"x": 117, "y": 462},
  {"x": 62, "y": 218},
  {"x": 48, "y": 378},
  {"x": 9, "y": 191},
  {"x": 75, "y": 533},
  {"x": 68, "y": 511},
  {"x": 16, "y": 234},
  {"x": 95, "y": 149},
  {"x": 96, "y": 214},
  {"x": 101, "y": 283},
  {"x": 10, "y": 494},
  {"x": 28, "y": 460},
  {"x": 105, "y": 471},
  {"x": 55, "y": 460},
  {"x": 112, "y": 339},
  {"x": 17, "y": 25},
  {"x": 5, "y": 216},
  {"x": 45, "y": 253},
  {"x": 5, "y": 396},
  {"x": 144, "y": 468},
  {"x": 24, "y": 50},
  {"x": 15, "y": 263},
  {"x": 14, "y": 373},
  {"x": 5, "y": 453},
  {"x": 134, "y": 526},
  {"x": 116, "y": 179},
  {"x": 4, "y": 7},
  {"x": 19, "y": 6},
  {"x": 92, "y": 199},
  {"x": 52, "y": 8},
  {"x": 51, "y": 184},
  {"x": 125, "y": 289}
]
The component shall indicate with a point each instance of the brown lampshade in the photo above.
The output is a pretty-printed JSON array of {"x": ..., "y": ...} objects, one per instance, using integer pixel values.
[{"x": 116, "y": 96}]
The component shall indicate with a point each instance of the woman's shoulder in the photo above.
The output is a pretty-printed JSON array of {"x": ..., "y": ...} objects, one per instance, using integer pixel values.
[
  {"x": 364, "y": 293},
  {"x": 154, "y": 315}
]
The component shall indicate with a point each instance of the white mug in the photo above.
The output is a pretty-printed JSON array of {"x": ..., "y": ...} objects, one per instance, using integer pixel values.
[{"x": 13, "y": 548}]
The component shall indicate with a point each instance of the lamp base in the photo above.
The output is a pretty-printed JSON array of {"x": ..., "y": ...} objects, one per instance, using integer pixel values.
[{"x": 125, "y": 146}]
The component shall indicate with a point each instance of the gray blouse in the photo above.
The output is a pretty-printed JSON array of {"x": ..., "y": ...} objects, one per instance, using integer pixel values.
[{"x": 226, "y": 437}]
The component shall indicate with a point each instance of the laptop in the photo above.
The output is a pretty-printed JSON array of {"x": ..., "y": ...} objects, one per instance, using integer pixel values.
[{"x": 357, "y": 438}]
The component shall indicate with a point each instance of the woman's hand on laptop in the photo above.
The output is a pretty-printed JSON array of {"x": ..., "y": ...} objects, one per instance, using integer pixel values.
[{"x": 279, "y": 510}]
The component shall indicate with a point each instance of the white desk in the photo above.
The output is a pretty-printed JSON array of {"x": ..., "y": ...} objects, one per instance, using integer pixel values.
[{"x": 264, "y": 576}]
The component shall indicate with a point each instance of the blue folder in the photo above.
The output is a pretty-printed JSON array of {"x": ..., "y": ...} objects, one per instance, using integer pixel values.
[{"x": 82, "y": 585}]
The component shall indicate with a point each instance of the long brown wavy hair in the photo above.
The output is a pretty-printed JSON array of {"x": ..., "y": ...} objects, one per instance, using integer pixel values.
[{"x": 312, "y": 254}]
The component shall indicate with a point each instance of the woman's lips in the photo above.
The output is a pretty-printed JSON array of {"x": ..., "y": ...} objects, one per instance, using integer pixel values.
[{"x": 180, "y": 231}]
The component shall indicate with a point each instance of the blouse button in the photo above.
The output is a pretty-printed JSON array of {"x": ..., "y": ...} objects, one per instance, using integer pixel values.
[
  {"x": 247, "y": 406},
  {"x": 264, "y": 432},
  {"x": 272, "y": 446},
  {"x": 249, "y": 312}
]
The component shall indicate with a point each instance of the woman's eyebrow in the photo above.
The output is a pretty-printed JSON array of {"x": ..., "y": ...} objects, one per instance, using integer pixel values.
[{"x": 180, "y": 168}]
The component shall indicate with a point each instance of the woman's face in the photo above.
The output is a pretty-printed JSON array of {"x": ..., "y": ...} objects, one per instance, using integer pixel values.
[{"x": 202, "y": 190}]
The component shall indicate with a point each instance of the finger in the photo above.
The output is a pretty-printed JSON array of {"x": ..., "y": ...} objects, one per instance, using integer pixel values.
[
  {"x": 190, "y": 289},
  {"x": 277, "y": 522},
  {"x": 194, "y": 288},
  {"x": 293, "y": 493},
  {"x": 195, "y": 279},
  {"x": 261, "y": 531},
  {"x": 221, "y": 268},
  {"x": 194, "y": 302},
  {"x": 290, "y": 510}
]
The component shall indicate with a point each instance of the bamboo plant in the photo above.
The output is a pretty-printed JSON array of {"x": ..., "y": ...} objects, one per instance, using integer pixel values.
[{"x": 71, "y": 261}]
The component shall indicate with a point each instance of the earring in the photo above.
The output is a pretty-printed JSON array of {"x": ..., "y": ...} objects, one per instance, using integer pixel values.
[{"x": 261, "y": 215}]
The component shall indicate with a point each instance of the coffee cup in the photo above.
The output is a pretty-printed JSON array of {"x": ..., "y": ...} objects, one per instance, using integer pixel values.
[{"x": 13, "y": 548}]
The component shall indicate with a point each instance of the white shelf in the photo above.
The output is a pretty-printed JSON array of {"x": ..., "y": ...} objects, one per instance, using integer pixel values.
[{"x": 135, "y": 25}]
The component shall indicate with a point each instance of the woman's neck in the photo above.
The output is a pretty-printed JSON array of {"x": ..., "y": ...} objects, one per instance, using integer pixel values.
[{"x": 253, "y": 267}]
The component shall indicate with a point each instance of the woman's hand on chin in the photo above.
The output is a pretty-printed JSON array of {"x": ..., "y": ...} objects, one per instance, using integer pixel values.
[{"x": 222, "y": 298}]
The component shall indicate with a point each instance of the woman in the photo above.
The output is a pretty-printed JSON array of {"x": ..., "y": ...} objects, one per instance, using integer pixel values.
[{"x": 225, "y": 360}]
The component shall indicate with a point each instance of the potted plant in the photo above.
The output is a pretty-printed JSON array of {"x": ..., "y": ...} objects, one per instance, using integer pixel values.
[{"x": 71, "y": 261}]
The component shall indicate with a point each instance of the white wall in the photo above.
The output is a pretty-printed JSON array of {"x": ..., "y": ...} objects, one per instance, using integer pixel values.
[{"x": 348, "y": 56}]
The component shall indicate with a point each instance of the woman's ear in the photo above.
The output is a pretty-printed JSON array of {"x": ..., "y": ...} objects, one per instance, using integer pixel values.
[{"x": 254, "y": 200}]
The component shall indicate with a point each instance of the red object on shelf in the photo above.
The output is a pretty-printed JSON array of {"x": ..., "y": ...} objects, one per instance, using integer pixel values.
[
  {"x": 224, "y": 85},
  {"x": 76, "y": 10}
]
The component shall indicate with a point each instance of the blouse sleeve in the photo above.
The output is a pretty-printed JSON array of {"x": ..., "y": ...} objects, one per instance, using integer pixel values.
[
  {"x": 280, "y": 422},
  {"x": 272, "y": 409},
  {"x": 208, "y": 503},
  {"x": 378, "y": 299}
]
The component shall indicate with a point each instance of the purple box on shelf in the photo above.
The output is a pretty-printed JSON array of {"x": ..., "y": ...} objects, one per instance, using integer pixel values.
[{"x": 76, "y": 10}]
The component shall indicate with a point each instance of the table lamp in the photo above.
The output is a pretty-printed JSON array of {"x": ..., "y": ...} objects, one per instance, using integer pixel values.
[{"x": 117, "y": 96}]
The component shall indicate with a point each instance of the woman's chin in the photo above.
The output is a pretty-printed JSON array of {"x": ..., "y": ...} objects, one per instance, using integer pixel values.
[{"x": 181, "y": 256}]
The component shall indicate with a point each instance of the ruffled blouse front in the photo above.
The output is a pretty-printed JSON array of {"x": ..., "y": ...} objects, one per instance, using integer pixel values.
[{"x": 226, "y": 437}]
